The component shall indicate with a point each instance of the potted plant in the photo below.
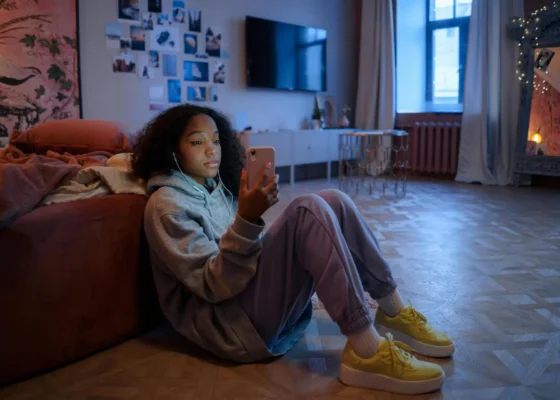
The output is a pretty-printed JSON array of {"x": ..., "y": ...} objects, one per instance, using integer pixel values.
[{"x": 316, "y": 117}]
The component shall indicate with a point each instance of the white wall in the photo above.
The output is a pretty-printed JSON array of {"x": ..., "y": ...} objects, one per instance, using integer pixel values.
[
  {"x": 123, "y": 97},
  {"x": 411, "y": 56}
]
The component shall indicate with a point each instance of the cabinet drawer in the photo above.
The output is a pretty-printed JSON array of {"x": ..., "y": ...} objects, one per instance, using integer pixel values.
[
  {"x": 311, "y": 147},
  {"x": 281, "y": 141},
  {"x": 333, "y": 146}
]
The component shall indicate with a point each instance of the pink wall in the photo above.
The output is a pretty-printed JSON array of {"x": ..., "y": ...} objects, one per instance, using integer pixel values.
[{"x": 545, "y": 114}]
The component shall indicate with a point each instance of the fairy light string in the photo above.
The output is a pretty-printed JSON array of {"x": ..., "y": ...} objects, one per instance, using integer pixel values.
[{"x": 531, "y": 32}]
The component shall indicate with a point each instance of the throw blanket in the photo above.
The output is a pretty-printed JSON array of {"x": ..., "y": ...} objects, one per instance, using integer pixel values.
[
  {"x": 25, "y": 179},
  {"x": 95, "y": 182}
]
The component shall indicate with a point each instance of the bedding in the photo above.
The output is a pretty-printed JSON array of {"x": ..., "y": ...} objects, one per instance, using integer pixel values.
[
  {"x": 31, "y": 180},
  {"x": 25, "y": 179},
  {"x": 95, "y": 182}
]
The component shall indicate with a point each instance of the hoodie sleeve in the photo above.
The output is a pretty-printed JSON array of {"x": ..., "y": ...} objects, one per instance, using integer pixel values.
[{"x": 214, "y": 272}]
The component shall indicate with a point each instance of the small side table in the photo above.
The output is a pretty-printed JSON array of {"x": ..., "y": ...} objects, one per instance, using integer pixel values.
[{"x": 381, "y": 155}]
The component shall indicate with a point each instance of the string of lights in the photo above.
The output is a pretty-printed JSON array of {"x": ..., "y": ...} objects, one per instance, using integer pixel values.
[{"x": 531, "y": 31}]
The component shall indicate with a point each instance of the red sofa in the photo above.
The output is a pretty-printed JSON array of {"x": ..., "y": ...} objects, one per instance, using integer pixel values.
[{"x": 75, "y": 278}]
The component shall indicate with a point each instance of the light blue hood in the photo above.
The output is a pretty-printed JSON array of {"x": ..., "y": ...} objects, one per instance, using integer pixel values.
[{"x": 191, "y": 195}]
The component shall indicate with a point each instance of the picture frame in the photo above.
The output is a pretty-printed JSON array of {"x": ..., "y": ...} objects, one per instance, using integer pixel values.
[
  {"x": 327, "y": 105},
  {"x": 48, "y": 88}
]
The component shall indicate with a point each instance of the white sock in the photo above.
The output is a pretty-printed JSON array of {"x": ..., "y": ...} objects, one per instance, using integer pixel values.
[
  {"x": 365, "y": 342},
  {"x": 392, "y": 304}
]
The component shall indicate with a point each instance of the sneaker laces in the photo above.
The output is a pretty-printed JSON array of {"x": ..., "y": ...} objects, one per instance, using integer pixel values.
[
  {"x": 398, "y": 353},
  {"x": 417, "y": 318}
]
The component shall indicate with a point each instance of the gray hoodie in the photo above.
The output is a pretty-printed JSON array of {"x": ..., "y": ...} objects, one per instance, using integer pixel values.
[{"x": 203, "y": 255}]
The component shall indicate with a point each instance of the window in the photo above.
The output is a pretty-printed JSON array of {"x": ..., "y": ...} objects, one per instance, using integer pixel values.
[
  {"x": 431, "y": 43},
  {"x": 447, "y": 32}
]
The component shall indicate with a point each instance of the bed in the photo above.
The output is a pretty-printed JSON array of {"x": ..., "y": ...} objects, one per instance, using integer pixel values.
[{"x": 75, "y": 275}]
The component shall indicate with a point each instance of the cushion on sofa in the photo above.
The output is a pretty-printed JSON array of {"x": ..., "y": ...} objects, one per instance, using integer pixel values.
[{"x": 74, "y": 136}]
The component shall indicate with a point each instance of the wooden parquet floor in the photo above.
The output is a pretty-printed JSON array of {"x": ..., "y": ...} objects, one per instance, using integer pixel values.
[{"x": 482, "y": 263}]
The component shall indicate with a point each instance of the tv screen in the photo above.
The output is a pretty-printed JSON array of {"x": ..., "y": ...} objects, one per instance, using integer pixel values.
[{"x": 285, "y": 56}]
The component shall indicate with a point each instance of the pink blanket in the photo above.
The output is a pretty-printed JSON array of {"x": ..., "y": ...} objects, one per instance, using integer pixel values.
[{"x": 25, "y": 179}]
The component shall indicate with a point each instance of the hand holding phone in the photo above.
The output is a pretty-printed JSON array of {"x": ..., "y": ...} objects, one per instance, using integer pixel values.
[
  {"x": 257, "y": 159},
  {"x": 258, "y": 190}
]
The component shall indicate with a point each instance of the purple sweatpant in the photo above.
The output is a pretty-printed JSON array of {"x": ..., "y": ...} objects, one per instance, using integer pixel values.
[{"x": 320, "y": 243}]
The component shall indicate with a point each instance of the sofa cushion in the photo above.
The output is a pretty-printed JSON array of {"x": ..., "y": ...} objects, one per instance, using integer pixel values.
[{"x": 74, "y": 136}]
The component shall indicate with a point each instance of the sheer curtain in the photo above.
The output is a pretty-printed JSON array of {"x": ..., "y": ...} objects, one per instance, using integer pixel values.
[
  {"x": 375, "y": 104},
  {"x": 487, "y": 149}
]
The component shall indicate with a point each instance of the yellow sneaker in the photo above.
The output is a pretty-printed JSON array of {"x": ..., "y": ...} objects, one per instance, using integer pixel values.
[
  {"x": 392, "y": 369},
  {"x": 412, "y": 328}
]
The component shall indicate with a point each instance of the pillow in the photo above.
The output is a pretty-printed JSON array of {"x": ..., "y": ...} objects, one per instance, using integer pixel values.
[{"x": 74, "y": 136}]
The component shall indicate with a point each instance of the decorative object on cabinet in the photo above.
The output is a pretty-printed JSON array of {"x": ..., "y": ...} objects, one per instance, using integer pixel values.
[
  {"x": 327, "y": 105},
  {"x": 344, "y": 120},
  {"x": 317, "y": 116}
]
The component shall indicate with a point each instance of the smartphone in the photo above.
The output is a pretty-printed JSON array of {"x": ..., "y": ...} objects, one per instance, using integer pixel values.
[{"x": 257, "y": 159}]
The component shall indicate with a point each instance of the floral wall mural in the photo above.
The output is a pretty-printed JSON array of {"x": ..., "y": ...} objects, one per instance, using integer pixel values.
[{"x": 39, "y": 70}]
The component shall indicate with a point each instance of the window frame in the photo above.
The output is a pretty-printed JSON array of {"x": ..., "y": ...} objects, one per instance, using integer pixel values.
[{"x": 462, "y": 23}]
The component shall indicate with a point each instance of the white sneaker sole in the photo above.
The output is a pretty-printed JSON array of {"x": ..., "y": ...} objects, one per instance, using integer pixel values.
[
  {"x": 428, "y": 350},
  {"x": 367, "y": 380}
]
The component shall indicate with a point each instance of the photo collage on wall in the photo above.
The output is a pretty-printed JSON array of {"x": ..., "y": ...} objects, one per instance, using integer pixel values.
[{"x": 154, "y": 42}]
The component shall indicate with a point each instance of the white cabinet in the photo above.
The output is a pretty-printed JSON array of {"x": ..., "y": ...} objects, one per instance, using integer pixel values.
[
  {"x": 310, "y": 147},
  {"x": 333, "y": 145},
  {"x": 298, "y": 147}
]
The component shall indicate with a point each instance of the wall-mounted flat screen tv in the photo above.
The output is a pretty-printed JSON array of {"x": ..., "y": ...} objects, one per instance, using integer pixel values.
[{"x": 285, "y": 56}]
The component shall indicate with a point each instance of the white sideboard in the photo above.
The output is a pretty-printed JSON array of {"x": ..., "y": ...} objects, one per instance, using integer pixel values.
[{"x": 298, "y": 147}]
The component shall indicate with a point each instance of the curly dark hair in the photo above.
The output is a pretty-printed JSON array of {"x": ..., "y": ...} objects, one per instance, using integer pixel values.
[{"x": 156, "y": 143}]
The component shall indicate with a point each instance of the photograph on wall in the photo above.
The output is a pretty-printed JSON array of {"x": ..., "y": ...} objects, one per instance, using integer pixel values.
[
  {"x": 154, "y": 59},
  {"x": 144, "y": 69},
  {"x": 157, "y": 98},
  {"x": 113, "y": 34},
  {"x": 196, "y": 93},
  {"x": 219, "y": 73},
  {"x": 164, "y": 19},
  {"x": 195, "y": 21},
  {"x": 169, "y": 65},
  {"x": 213, "y": 95},
  {"x": 148, "y": 21},
  {"x": 138, "y": 38},
  {"x": 39, "y": 69},
  {"x": 154, "y": 6},
  {"x": 195, "y": 71},
  {"x": 164, "y": 39},
  {"x": 174, "y": 90},
  {"x": 124, "y": 63},
  {"x": 126, "y": 45},
  {"x": 213, "y": 40},
  {"x": 191, "y": 43},
  {"x": 129, "y": 11},
  {"x": 179, "y": 11},
  {"x": 543, "y": 59}
]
